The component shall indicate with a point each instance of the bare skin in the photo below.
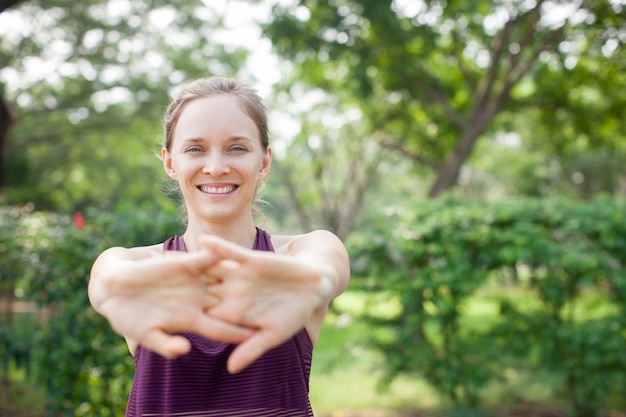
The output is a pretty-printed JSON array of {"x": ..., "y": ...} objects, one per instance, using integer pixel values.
[
  {"x": 254, "y": 298},
  {"x": 220, "y": 288}
]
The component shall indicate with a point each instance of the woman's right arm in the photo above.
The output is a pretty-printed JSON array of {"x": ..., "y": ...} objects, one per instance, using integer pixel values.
[{"x": 148, "y": 297}]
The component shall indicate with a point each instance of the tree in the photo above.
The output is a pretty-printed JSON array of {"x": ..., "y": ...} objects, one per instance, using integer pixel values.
[
  {"x": 327, "y": 167},
  {"x": 434, "y": 77},
  {"x": 6, "y": 119},
  {"x": 6, "y": 4},
  {"x": 97, "y": 76},
  {"x": 6, "y": 112}
]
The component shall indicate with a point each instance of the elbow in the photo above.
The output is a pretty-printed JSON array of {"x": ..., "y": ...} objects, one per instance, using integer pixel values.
[
  {"x": 101, "y": 285},
  {"x": 95, "y": 290}
]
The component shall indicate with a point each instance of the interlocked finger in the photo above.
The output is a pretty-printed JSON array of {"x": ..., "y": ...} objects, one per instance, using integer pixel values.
[
  {"x": 208, "y": 279},
  {"x": 210, "y": 300}
]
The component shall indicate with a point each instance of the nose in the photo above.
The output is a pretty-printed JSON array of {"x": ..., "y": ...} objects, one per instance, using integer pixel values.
[{"x": 216, "y": 164}]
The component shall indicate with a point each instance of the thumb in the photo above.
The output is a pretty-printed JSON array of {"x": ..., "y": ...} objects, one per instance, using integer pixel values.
[
  {"x": 224, "y": 249},
  {"x": 249, "y": 351},
  {"x": 169, "y": 346},
  {"x": 199, "y": 260}
]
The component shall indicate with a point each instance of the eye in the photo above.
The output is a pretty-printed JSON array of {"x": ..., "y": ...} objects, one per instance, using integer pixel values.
[
  {"x": 238, "y": 148},
  {"x": 193, "y": 149}
]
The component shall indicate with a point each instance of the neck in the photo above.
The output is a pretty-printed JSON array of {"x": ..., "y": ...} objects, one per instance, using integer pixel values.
[{"x": 243, "y": 235}]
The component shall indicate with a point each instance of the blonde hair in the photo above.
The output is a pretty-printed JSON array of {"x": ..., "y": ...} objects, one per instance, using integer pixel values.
[{"x": 247, "y": 97}]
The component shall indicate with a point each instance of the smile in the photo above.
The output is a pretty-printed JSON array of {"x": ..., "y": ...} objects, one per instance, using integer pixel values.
[{"x": 217, "y": 190}]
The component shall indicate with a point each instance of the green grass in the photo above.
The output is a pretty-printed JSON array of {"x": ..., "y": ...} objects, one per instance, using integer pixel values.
[
  {"x": 354, "y": 389},
  {"x": 346, "y": 372}
]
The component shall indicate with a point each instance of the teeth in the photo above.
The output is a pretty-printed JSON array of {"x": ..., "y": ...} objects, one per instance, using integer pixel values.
[{"x": 217, "y": 190}]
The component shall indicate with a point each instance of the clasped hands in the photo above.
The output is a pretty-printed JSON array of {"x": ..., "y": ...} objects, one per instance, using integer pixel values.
[{"x": 224, "y": 292}]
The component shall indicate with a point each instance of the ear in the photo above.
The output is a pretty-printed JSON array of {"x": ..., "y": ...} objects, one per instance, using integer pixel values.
[
  {"x": 264, "y": 170},
  {"x": 166, "y": 157}
]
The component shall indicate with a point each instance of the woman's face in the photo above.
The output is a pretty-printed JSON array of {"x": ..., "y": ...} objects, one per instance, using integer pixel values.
[{"x": 217, "y": 158}]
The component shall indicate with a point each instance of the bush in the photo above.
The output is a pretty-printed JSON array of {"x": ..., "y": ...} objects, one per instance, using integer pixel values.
[
  {"x": 554, "y": 269},
  {"x": 83, "y": 365}
]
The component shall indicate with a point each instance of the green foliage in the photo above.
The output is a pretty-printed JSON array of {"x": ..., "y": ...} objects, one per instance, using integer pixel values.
[
  {"x": 69, "y": 349},
  {"x": 434, "y": 78},
  {"x": 553, "y": 269},
  {"x": 325, "y": 176},
  {"x": 549, "y": 272},
  {"x": 98, "y": 75}
]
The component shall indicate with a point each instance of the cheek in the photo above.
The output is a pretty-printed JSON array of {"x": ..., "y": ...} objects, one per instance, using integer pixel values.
[
  {"x": 182, "y": 171},
  {"x": 188, "y": 165}
]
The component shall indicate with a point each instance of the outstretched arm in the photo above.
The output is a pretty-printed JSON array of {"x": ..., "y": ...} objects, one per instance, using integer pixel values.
[
  {"x": 148, "y": 298},
  {"x": 277, "y": 294}
]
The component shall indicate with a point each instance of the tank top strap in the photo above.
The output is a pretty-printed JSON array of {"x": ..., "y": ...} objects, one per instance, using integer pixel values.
[
  {"x": 175, "y": 243},
  {"x": 262, "y": 242}
]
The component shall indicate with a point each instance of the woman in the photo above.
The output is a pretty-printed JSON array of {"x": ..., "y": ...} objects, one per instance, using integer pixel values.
[{"x": 222, "y": 320}]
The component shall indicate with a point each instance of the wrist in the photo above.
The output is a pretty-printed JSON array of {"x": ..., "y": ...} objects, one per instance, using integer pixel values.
[{"x": 324, "y": 277}]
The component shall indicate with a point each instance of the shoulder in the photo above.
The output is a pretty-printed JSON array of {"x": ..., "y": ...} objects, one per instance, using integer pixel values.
[{"x": 317, "y": 239}]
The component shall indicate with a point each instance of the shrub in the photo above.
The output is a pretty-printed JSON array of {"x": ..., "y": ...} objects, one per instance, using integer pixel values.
[
  {"x": 558, "y": 253},
  {"x": 83, "y": 365}
]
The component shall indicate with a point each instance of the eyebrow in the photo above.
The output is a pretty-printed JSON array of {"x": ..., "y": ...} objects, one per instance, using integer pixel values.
[{"x": 233, "y": 138}]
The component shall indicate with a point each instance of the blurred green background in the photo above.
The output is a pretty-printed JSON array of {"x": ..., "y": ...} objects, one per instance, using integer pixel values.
[{"x": 471, "y": 155}]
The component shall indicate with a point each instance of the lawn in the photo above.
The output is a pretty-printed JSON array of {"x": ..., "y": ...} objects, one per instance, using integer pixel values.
[{"x": 346, "y": 372}]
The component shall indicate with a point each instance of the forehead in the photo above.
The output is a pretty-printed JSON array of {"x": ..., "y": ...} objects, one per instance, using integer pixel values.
[{"x": 215, "y": 115}]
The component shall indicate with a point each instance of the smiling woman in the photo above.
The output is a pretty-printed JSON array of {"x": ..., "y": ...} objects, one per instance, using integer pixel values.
[
  {"x": 222, "y": 319},
  {"x": 216, "y": 159}
]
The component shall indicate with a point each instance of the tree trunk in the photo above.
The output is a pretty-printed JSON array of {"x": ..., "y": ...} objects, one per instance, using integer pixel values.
[
  {"x": 6, "y": 119},
  {"x": 448, "y": 173},
  {"x": 6, "y": 115},
  {"x": 6, "y": 4},
  {"x": 490, "y": 94}
]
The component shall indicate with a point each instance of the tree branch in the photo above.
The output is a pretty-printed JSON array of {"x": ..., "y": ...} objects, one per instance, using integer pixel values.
[
  {"x": 368, "y": 177},
  {"x": 547, "y": 44},
  {"x": 303, "y": 216},
  {"x": 388, "y": 143},
  {"x": 534, "y": 14},
  {"x": 498, "y": 45},
  {"x": 458, "y": 53},
  {"x": 440, "y": 99}
]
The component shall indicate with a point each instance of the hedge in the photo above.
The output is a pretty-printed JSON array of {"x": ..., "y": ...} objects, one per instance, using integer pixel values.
[
  {"x": 69, "y": 349},
  {"x": 552, "y": 269}
]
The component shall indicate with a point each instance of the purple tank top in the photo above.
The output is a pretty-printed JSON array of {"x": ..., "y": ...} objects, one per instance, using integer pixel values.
[{"x": 198, "y": 384}]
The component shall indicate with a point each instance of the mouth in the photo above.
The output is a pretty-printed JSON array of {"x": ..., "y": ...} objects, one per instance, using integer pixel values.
[{"x": 220, "y": 190}]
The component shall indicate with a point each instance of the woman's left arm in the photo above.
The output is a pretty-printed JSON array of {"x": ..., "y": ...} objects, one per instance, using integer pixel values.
[
  {"x": 276, "y": 294},
  {"x": 324, "y": 252}
]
